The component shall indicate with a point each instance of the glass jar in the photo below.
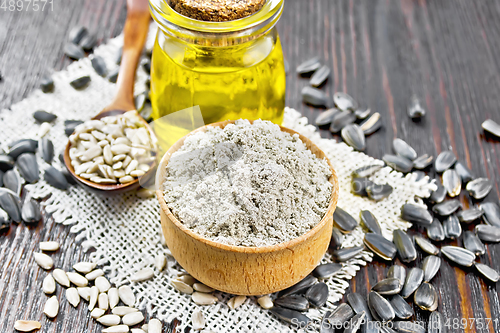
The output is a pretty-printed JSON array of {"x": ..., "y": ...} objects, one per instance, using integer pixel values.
[{"x": 231, "y": 70}]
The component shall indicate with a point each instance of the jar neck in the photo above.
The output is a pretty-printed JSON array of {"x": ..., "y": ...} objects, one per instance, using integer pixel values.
[{"x": 216, "y": 34}]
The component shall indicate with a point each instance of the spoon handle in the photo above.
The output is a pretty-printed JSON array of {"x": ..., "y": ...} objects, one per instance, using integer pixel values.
[{"x": 135, "y": 33}]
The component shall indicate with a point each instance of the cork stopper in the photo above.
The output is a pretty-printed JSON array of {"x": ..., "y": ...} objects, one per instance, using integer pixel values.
[{"x": 216, "y": 10}]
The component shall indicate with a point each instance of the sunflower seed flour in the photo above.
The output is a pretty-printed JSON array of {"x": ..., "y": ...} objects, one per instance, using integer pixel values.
[{"x": 247, "y": 185}]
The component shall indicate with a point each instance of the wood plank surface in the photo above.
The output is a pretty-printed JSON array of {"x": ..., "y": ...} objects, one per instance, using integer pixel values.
[{"x": 381, "y": 52}]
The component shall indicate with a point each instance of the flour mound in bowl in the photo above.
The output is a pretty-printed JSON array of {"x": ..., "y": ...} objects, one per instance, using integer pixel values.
[{"x": 247, "y": 185}]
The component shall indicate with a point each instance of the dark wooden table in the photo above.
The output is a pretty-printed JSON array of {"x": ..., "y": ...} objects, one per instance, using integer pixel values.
[{"x": 381, "y": 52}]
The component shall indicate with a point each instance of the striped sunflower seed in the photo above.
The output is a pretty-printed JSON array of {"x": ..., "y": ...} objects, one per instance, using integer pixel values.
[
  {"x": 370, "y": 221},
  {"x": 380, "y": 308},
  {"x": 425, "y": 245},
  {"x": 463, "y": 172},
  {"x": 389, "y": 286},
  {"x": 320, "y": 76},
  {"x": 326, "y": 117},
  {"x": 293, "y": 302},
  {"x": 473, "y": 243},
  {"x": 426, "y": 297},
  {"x": 398, "y": 272},
  {"x": 413, "y": 280},
  {"x": 416, "y": 214},
  {"x": 479, "y": 188},
  {"x": 491, "y": 127},
  {"x": 344, "y": 102},
  {"x": 435, "y": 231},
  {"x": 317, "y": 294},
  {"x": 354, "y": 137},
  {"x": 488, "y": 233},
  {"x": 459, "y": 255},
  {"x": 452, "y": 182},
  {"x": 430, "y": 267},
  {"x": 402, "y": 148},
  {"x": 447, "y": 208},
  {"x": 404, "y": 245},
  {"x": 366, "y": 171},
  {"x": 444, "y": 161},
  {"x": 398, "y": 163},
  {"x": 422, "y": 162},
  {"x": 487, "y": 272},
  {"x": 402, "y": 309},
  {"x": 452, "y": 227},
  {"x": 382, "y": 247},
  {"x": 358, "y": 304},
  {"x": 469, "y": 215},
  {"x": 372, "y": 124},
  {"x": 344, "y": 221}
]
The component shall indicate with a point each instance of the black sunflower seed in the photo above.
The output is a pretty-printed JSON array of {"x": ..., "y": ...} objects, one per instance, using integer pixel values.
[
  {"x": 447, "y": 208},
  {"x": 320, "y": 76},
  {"x": 422, "y": 162},
  {"x": 290, "y": 316},
  {"x": 344, "y": 221},
  {"x": 359, "y": 185},
  {"x": 416, "y": 214},
  {"x": 88, "y": 42},
  {"x": 44, "y": 116},
  {"x": 389, "y": 286},
  {"x": 402, "y": 148},
  {"x": 326, "y": 271},
  {"x": 479, "y": 188},
  {"x": 382, "y": 247},
  {"x": 370, "y": 221},
  {"x": 32, "y": 142},
  {"x": 366, "y": 171},
  {"x": 426, "y": 297},
  {"x": 113, "y": 75},
  {"x": 419, "y": 175},
  {"x": 362, "y": 114},
  {"x": 415, "y": 110},
  {"x": 24, "y": 146},
  {"x": 308, "y": 66},
  {"x": 299, "y": 287},
  {"x": 341, "y": 120},
  {"x": 459, "y": 255},
  {"x": 488, "y": 233},
  {"x": 315, "y": 97},
  {"x": 380, "y": 308},
  {"x": 12, "y": 180},
  {"x": 341, "y": 315},
  {"x": 358, "y": 304},
  {"x": 430, "y": 267},
  {"x": 445, "y": 160},
  {"x": 413, "y": 280},
  {"x": 408, "y": 327},
  {"x": 398, "y": 163},
  {"x": 47, "y": 149},
  {"x": 436, "y": 323},
  {"x": 28, "y": 167},
  {"x": 6, "y": 163},
  {"x": 438, "y": 195},
  {"x": 68, "y": 176},
  {"x": 73, "y": 51},
  {"x": 344, "y": 102},
  {"x": 30, "y": 211},
  {"x": 70, "y": 125},
  {"x": 347, "y": 253},
  {"x": 452, "y": 182},
  {"x": 425, "y": 245},
  {"x": 398, "y": 272},
  {"x": 11, "y": 204},
  {"x": 99, "y": 65},
  {"x": 473, "y": 243},
  {"x": 488, "y": 272},
  {"x": 337, "y": 238},
  {"x": 47, "y": 84},
  {"x": 404, "y": 245},
  {"x": 77, "y": 33},
  {"x": 491, "y": 213},
  {"x": 469, "y": 215},
  {"x": 452, "y": 227},
  {"x": 317, "y": 294},
  {"x": 402, "y": 309},
  {"x": 354, "y": 136},
  {"x": 56, "y": 178},
  {"x": 378, "y": 192},
  {"x": 1, "y": 178},
  {"x": 293, "y": 302},
  {"x": 146, "y": 65},
  {"x": 326, "y": 327},
  {"x": 326, "y": 117},
  {"x": 491, "y": 127},
  {"x": 118, "y": 55},
  {"x": 81, "y": 82},
  {"x": 372, "y": 124},
  {"x": 463, "y": 172}
]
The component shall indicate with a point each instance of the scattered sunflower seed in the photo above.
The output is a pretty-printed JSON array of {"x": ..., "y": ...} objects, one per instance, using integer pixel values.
[
  {"x": 479, "y": 188},
  {"x": 94, "y": 295},
  {"x": 326, "y": 271},
  {"x": 402, "y": 309},
  {"x": 143, "y": 275},
  {"x": 317, "y": 294},
  {"x": 77, "y": 279},
  {"x": 488, "y": 233},
  {"x": 77, "y": 33},
  {"x": 84, "y": 293},
  {"x": 380, "y": 308},
  {"x": 491, "y": 127},
  {"x": 84, "y": 267},
  {"x": 99, "y": 65},
  {"x": 413, "y": 280},
  {"x": 491, "y": 213},
  {"x": 463, "y": 172},
  {"x": 344, "y": 221},
  {"x": 133, "y": 318},
  {"x": 452, "y": 182},
  {"x": 123, "y": 310},
  {"x": 398, "y": 163},
  {"x": 416, "y": 214},
  {"x": 308, "y": 66},
  {"x": 378, "y": 192},
  {"x": 341, "y": 120},
  {"x": 320, "y": 76},
  {"x": 61, "y": 277},
  {"x": 402, "y": 148},
  {"x": 236, "y": 302},
  {"x": 155, "y": 326},
  {"x": 314, "y": 97},
  {"x": 398, "y": 272},
  {"x": 473, "y": 243},
  {"x": 469, "y": 215},
  {"x": 30, "y": 211},
  {"x": 109, "y": 320},
  {"x": 56, "y": 178},
  {"x": 359, "y": 185},
  {"x": 362, "y": 114},
  {"x": 197, "y": 319},
  {"x": 27, "y": 325},
  {"x": 337, "y": 239},
  {"x": 73, "y": 297},
  {"x": 372, "y": 124},
  {"x": 358, "y": 304},
  {"x": 49, "y": 246},
  {"x": 28, "y": 167},
  {"x": 354, "y": 137},
  {"x": 415, "y": 110},
  {"x": 11, "y": 205},
  {"x": 380, "y": 246},
  {"x": 103, "y": 301},
  {"x": 49, "y": 285},
  {"x": 73, "y": 51},
  {"x": 182, "y": 286},
  {"x": 299, "y": 287},
  {"x": 44, "y": 116},
  {"x": 445, "y": 160},
  {"x": 430, "y": 267},
  {"x": 202, "y": 288},
  {"x": 426, "y": 297},
  {"x": 459, "y": 255},
  {"x": 47, "y": 84},
  {"x": 88, "y": 42},
  {"x": 452, "y": 227},
  {"x": 51, "y": 307},
  {"x": 116, "y": 329},
  {"x": 203, "y": 298},
  {"x": 425, "y": 245},
  {"x": 370, "y": 221},
  {"x": 422, "y": 162},
  {"x": 102, "y": 284},
  {"x": 404, "y": 245},
  {"x": 487, "y": 272},
  {"x": 81, "y": 82},
  {"x": 347, "y": 253},
  {"x": 44, "y": 261},
  {"x": 293, "y": 302},
  {"x": 366, "y": 171},
  {"x": 13, "y": 181},
  {"x": 447, "y": 208},
  {"x": 344, "y": 102},
  {"x": 265, "y": 302},
  {"x": 388, "y": 286}
]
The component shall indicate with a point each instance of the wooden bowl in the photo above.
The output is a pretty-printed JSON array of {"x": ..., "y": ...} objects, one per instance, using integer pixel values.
[
  {"x": 109, "y": 189},
  {"x": 246, "y": 270}
]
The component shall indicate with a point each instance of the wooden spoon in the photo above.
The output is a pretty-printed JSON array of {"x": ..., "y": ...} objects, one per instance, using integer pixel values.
[{"x": 135, "y": 33}]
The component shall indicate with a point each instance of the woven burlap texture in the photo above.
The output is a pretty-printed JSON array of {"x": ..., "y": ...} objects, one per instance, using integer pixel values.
[{"x": 123, "y": 232}]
